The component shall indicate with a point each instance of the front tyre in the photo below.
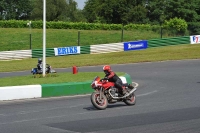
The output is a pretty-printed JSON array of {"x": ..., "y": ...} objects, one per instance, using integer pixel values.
[
  {"x": 99, "y": 103},
  {"x": 131, "y": 100}
]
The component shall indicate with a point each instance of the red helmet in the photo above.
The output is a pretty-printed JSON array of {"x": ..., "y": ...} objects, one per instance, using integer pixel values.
[{"x": 107, "y": 68}]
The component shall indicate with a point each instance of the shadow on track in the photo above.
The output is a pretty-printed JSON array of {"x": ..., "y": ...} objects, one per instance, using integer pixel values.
[{"x": 92, "y": 108}]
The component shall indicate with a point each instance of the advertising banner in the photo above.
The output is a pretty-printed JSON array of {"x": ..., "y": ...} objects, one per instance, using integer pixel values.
[
  {"x": 136, "y": 45},
  {"x": 195, "y": 39},
  {"x": 67, "y": 50}
]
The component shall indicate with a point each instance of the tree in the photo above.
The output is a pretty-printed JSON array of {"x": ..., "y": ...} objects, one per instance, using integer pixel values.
[
  {"x": 115, "y": 11},
  {"x": 160, "y": 10},
  {"x": 15, "y": 9},
  {"x": 55, "y": 9},
  {"x": 58, "y": 10},
  {"x": 183, "y": 9},
  {"x": 74, "y": 14}
]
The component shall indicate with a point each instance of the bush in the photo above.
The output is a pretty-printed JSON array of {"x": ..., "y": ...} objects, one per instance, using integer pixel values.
[
  {"x": 176, "y": 25},
  {"x": 75, "y": 25}
]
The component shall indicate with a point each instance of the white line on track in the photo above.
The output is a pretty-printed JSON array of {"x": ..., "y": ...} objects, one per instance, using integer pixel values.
[{"x": 145, "y": 94}]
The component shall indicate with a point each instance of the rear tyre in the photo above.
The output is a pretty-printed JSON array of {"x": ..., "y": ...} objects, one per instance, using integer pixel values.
[
  {"x": 99, "y": 103},
  {"x": 131, "y": 100}
]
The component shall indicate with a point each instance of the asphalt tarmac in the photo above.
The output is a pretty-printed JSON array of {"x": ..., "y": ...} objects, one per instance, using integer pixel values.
[{"x": 167, "y": 101}]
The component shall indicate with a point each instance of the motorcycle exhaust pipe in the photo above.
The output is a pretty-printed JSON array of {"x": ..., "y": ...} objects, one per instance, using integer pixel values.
[{"x": 133, "y": 90}]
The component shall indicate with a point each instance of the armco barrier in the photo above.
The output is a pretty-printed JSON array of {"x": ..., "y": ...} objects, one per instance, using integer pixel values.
[
  {"x": 91, "y": 49},
  {"x": 168, "y": 41},
  {"x": 49, "y": 90},
  {"x": 106, "y": 48},
  {"x": 85, "y": 49},
  {"x": 38, "y": 53},
  {"x": 13, "y": 55}
]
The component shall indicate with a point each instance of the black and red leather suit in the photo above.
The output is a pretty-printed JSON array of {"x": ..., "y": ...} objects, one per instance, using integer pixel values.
[{"x": 112, "y": 77}]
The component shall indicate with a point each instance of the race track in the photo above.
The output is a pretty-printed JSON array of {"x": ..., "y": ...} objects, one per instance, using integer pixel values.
[{"x": 168, "y": 101}]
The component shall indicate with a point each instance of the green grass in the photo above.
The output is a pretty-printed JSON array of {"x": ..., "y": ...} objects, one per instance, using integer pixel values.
[
  {"x": 19, "y": 38},
  {"x": 177, "y": 52},
  {"x": 60, "y": 78}
]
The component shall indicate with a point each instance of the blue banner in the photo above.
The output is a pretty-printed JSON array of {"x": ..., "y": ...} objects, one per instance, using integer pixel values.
[{"x": 137, "y": 45}]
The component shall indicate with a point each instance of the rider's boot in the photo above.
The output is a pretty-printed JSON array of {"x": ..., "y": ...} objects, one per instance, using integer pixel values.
[
  {"x": 130, "y": 86},
  {"x": 124, "y": 91}
]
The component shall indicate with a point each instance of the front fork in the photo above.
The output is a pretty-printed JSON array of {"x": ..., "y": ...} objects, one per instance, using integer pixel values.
[{"x": 100, "y": 93}]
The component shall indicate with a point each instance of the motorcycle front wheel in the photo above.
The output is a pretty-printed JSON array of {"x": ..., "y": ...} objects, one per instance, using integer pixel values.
[
  {"x": 99, "y": 102},
  {"x": 131, "y": 100}
]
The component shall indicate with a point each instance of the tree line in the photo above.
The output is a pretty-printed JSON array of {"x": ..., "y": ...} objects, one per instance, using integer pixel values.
[{"x": 102, "y": 11}]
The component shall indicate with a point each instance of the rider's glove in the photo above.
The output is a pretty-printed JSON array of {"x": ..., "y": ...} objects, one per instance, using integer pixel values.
[{"x": 105, "y": 78}]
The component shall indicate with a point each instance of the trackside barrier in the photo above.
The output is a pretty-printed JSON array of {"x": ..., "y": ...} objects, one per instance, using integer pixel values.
[
  {"x": 64, "y": 89},
  {"x": 50, "y": 90},
  {"x": 14, "y": 55},
  {"x": 135, "y": 45},
  {"x": 37, "y": 53},
  {"x": 20, "y": 92},
  {"x": 76, "y": 88},
  {"x": 106, "y": 48},
  {"x": 195, "y": 39},
  {"x": 98, "y": 49},
  {"x": 168, "y": 41}
]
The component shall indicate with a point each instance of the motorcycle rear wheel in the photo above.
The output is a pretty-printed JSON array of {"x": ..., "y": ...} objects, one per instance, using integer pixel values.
[
  {"x": 98, "y": 102},
  {"x": 131, "y": 100}
]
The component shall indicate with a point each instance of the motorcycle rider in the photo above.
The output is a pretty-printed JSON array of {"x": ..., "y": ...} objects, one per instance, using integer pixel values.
[
  {"x": 112, "y": 77},
  {"x": 39, "y": 65}
]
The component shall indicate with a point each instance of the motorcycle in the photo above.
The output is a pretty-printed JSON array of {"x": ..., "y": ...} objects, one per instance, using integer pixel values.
[
  {"x": 48, "y": 70},
  {"x": 105, "y": 92}
]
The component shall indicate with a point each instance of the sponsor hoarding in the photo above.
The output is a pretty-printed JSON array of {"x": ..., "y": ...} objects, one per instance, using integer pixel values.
[
  {"x": 195, "y": 39},
  {"x": 136, "y": 45},
  {"x": 67, "y": 50}
]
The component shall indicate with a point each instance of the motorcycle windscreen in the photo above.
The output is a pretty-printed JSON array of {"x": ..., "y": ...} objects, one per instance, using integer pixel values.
[{"x": 96, "y": 80}]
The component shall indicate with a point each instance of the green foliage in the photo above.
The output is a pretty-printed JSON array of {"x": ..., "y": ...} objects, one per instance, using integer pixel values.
[
  {"x": 59, "y": 10},
  {"x": 115, "y": 11},
  {"x": 176, "y": 24},
  {"x": 161, "y": 10},
  {"x": 194, "y": 28},
  {"x": 140, "y": 27},
  {"x": 13, "y": 24},
  {"x": 15, "y": 9},
  {"x": 102, "y": 11},
  {"x": 70, "y": 25}
]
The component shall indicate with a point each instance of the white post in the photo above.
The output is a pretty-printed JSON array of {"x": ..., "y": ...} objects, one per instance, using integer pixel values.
[{"x": 44, "y": 38}]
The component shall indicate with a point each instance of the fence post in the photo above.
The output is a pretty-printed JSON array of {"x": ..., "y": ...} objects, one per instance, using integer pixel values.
[
  {"x": 29, "y": 24},
  {"x": 78, "y": 38},
  {"x": 161, "y": 30},
  {"x": 30, "y": 41},
  {"x": 122, "y": 36}
]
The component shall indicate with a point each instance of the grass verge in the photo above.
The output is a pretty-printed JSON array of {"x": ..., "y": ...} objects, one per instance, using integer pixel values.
[
  {"x": 177, "y": 52},
  {"x": 60, "y": 78}
]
